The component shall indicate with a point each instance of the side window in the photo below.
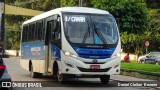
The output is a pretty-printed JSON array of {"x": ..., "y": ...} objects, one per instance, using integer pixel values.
[
  {"x": 40, "y": 29},
  {"x": 36, "y": 32},
  {"x": 27, "y": 33},
  {"x": 30, "y": 33},
  {"x": 23, "y": 33},
  {"x": 33, "y": 32},
  {"x": 56, "y": 32},
  {"x": 48, "y": 32}
]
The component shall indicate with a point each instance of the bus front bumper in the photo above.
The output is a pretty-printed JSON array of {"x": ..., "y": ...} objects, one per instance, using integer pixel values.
[{"x": 73, "y": 66}]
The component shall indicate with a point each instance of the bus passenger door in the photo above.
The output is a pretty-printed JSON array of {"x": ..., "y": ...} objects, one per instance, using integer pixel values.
[
  {"x": 48, "y": 55},
  {"x": 53, "y": 42}
]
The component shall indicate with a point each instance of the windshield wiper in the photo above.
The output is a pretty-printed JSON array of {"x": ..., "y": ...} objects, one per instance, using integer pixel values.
[
  {"x": 99, "y": 34},
  {"x": 86, "y": 34}
]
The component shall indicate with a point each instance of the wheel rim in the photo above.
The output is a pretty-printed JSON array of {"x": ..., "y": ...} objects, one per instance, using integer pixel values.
[
  {"x": 59, "y": 76},
  {"x": 157, "y": 63},
  {"x": 143, "y": 62},
  {"x": 31, "y": 73}
]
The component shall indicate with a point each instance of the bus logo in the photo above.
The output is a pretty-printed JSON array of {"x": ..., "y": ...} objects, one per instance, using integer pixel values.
[
  {"x": 94, "y": 60},
  {"x": 35, "y": 50}
]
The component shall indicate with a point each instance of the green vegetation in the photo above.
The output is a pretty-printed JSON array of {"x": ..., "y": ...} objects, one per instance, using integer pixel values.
[{"x": 143, "y": 67}]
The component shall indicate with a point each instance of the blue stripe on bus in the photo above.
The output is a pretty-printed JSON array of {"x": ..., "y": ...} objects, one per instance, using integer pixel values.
[
  {"x": 94, "y": 53},
  {"x": 56, "y": 54}
]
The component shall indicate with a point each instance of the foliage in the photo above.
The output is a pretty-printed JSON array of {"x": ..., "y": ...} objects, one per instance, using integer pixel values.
[
  {"x": 66, "y": 3},
  {"x": 154, "y": 30},
  {"x": 69, "y": 3},
  {"x": 13, "y": 23},
  {"x": 133, "y": 16},
  {"x": 13, "y": 38}
]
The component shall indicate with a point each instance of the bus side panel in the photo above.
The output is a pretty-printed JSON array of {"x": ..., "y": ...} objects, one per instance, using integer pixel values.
[
  {"x": 24, "y": 64},
  {"x": 35, "y": 52},
  {"x": 55, "y": 53}
]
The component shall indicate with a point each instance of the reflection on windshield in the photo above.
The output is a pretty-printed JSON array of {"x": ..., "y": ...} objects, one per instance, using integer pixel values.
[{"x": 90, "y": 29}]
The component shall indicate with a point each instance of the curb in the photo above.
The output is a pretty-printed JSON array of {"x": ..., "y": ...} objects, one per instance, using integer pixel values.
[{"x": 142, "y": 72}]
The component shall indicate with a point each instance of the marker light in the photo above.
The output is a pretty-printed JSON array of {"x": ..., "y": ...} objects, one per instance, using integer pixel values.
[{"x": 118, "y": 54}]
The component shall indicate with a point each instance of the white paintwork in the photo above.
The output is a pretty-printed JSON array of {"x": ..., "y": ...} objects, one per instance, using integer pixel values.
[{"x": 38, "y": 65}]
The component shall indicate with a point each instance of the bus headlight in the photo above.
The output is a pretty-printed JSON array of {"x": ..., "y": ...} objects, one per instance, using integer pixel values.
[{"x": 68, "y": 54}]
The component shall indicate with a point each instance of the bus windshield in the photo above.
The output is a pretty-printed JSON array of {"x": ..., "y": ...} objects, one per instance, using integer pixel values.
[{"x": 90, "y": 29}]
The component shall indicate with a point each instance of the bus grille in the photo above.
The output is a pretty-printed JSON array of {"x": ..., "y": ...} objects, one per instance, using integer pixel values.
[
  {"x": 94, "y": 56},
  {"x": 93, "y": 70}
]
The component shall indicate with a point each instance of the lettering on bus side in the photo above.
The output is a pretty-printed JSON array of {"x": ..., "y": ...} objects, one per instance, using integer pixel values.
[
  {"x": 74, "y": 19},
  {"x": 35, "y": 50}
]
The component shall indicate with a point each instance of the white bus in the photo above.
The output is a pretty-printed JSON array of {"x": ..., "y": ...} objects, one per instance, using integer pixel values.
[{"x": 71, "y": 42}]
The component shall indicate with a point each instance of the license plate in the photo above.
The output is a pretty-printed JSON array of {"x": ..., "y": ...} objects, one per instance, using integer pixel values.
[{"x": 94, "y": 66}]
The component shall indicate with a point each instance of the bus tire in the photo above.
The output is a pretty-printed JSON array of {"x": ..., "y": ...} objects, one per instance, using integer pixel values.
[
  {"x": 143, "y": 61},
  {"x": 105, "y": 79},
  {"x": 60, "y": 77},
  {"x": 35, "y": 74}
]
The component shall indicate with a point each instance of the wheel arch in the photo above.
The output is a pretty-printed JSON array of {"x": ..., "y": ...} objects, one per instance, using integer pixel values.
[
  {"x": 30, "y": 64},
  {"x": 55, "y": 68}
]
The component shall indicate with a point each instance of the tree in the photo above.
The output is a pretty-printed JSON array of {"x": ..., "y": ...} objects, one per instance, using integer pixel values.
[
  {"x": 154, "y": 30},
  {"x": 133, "y": 16},
  {"x": 13, "y": 23},
  {"x": 65, "y": 3}
]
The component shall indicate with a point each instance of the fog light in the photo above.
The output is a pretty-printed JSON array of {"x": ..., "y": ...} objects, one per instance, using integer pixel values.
[
  {"x": 117, "y": 70},
  {"x": 67, "y": 70}
]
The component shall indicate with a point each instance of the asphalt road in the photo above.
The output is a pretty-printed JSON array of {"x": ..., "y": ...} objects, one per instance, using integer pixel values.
[{"x": 19, "y": 74}]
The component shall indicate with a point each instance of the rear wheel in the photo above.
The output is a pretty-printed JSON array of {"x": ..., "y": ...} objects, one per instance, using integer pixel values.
[
  {"x": 35, "y": 74},
  {"x": 105, "y": 79}
]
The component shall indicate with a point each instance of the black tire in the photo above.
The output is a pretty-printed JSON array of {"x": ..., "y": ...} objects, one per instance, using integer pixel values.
[
  {"x": 35, "y": 74},
  {"x": 143, "y": 61},
  {"x": 157, "y": 63},
  {"x": 61, "y": 78},
  {"x": 105, "y": 79}
]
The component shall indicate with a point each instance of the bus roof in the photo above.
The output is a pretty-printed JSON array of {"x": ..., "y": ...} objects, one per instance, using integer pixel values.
[{"x": 66, "y": 9}]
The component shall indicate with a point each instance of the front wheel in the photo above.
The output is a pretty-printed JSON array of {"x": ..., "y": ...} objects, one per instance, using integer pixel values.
[
  {"x": 157, "y": 63},
  {"x": 143, "y": 61},
  {"x": 60, "y": 77},
  {"x": 105, "y": 79}
]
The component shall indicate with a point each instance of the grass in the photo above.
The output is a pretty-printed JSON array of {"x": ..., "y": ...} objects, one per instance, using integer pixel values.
[{"x": 143, "y": 67}]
